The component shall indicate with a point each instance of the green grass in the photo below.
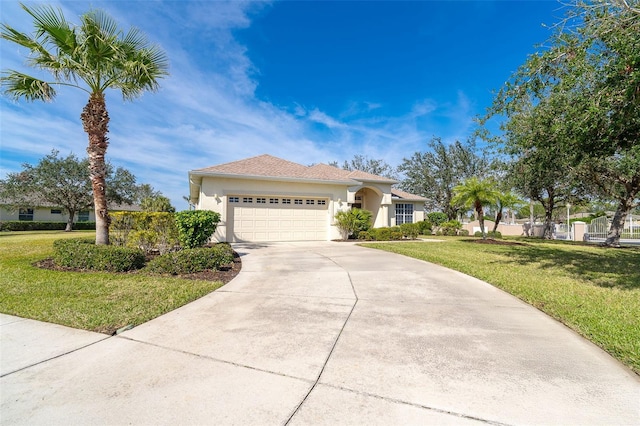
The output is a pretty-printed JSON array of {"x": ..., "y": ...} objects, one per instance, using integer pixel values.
[
  {"x": 593, "y": 290},
  {"x": 102, "y": 302}
]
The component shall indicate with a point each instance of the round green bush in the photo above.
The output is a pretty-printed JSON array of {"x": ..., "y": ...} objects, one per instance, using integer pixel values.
[
  {"x": 82, "y": 253},
  {"x": 189, "y": 261}
]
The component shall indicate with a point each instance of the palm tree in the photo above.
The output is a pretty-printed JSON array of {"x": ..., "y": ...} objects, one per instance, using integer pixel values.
[
  {"x": 93, "y": 56},
  {"x": 475, "y": 193},
  {"x": 505, "y": 200}
]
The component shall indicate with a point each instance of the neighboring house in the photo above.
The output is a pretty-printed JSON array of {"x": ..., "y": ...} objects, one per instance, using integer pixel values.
[
  {"x": 266, "y": 198},
  {"x": 46, "y": 212}
]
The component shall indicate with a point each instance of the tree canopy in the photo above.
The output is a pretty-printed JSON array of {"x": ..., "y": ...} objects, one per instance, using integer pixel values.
[
  {"x": 573, "y": 109},
  {"x": 64, "y": 182},
  {"x": 363, "y": 163},
  {"x": 434, "y": 173}
]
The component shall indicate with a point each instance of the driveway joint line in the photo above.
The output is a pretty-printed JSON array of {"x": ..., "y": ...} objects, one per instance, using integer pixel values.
[
  {"x": 55, "y": 357},
  {"x": 413, "y": 404},
  {"x": 210, "y": 358},
  {"x": 292, "y": 296},
  {"x": 335, "y": 343}
]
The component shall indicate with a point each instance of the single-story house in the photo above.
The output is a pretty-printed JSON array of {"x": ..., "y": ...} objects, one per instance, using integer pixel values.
[
  {"x": 40, "y": 211},
  {"x": 266, "y": 198}
]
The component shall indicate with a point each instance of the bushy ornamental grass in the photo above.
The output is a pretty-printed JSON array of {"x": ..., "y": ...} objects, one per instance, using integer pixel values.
[
  {"x": 190, "y": 261},
  {"x": 83, "y": 253},
  {"x": 593, "y": 290}
]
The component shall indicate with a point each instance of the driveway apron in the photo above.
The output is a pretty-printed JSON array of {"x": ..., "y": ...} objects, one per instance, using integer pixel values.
[{"x": 321, "y": 333}]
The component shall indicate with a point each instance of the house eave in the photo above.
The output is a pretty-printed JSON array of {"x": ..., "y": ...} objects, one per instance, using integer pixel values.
[{"x": 200, "y": 174}]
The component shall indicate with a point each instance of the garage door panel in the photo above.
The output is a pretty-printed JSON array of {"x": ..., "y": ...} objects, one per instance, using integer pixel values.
[{"x": 278, "y": 222}]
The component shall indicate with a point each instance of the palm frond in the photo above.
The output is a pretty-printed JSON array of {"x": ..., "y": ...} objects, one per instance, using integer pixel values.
[
  {"x": 19, "y": 85},
  {"x": 52, "y": 27},
  {"x": 95, "y": 54}
]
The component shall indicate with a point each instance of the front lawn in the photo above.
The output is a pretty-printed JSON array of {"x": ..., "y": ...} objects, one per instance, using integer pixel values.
[
  {"x": 102, "y": 302},
  {"x": 593, "y": 290}
]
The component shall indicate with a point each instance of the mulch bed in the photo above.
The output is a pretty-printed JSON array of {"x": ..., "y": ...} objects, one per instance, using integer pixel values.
[{"x": 225, "y": 274}]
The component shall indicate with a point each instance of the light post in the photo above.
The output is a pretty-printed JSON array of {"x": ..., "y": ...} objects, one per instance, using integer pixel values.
[{"x": 568, "y": 222}]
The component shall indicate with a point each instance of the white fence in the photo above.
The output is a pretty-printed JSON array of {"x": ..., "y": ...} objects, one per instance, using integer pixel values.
[{"x": 598, "y": 230}]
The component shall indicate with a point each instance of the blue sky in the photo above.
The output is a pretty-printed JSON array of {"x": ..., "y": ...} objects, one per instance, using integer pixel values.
[{"x": 306, "y": 81}]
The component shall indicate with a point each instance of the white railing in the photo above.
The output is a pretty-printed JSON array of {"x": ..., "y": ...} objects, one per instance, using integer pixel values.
[{"x": 599, "y": 229}]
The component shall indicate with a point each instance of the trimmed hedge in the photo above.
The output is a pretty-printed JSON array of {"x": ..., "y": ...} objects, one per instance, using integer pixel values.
[
  {"x": 410, "y": 230},
  {"x": 496, "y": 234},
  {"x": 24, "y": 225},
  {"x": 381, "y": 234},
  {"x": 82, "y": 253},
  {"x": 425, "y": 227},
  {"x": 193, "y": 260}
]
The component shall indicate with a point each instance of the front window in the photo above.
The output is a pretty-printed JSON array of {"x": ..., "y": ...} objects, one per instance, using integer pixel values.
[
  {"x": 83, "y": 216},
  {"x": 404, "y": 213},
  {"x": 25, "y": 214}
]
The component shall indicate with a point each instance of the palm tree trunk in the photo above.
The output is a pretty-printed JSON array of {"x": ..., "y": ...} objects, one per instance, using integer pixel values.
[
  {"x": 480, "y": 214},
  {"x": 498, "y": 219},
  {"x": 95, "y": 121}
]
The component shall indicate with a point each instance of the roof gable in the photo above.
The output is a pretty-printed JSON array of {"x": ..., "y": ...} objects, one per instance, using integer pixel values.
[
  {"x": 270, "y": 166},
  {"x": 262, "y": 165}
]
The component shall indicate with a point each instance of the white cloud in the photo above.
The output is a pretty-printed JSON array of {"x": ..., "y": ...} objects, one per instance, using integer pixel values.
[{"x": 206, "y": 112}]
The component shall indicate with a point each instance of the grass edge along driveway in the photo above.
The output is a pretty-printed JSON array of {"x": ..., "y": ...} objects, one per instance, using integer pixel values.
[
  {"x": 593, "y": 290},
  {"x": 94, "y": 301}
]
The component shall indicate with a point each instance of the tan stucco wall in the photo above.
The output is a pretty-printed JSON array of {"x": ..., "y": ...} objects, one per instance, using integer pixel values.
[
  {"x": 214, "y": 192},
  {"x": 504, "y": 229}
]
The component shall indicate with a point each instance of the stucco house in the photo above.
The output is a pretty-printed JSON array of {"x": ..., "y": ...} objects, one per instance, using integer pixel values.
[{"x": 266, "y": 198}]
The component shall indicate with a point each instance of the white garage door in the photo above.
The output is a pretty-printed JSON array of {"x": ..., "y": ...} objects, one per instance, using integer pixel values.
[{"x": 277, "y": 218}]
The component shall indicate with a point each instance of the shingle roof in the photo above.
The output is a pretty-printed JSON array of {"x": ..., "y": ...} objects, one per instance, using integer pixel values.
[
  {"x": 396, "y": 193},
  {"x": 270, "y": 166}
]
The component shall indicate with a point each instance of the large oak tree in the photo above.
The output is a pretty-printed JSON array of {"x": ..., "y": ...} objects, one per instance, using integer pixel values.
[{"x": 591, "y": 65}]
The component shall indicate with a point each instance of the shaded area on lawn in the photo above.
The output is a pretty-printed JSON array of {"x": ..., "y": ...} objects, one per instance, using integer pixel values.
[{"x": 601, "y": 266}]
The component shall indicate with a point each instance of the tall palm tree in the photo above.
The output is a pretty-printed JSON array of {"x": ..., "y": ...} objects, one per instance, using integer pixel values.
[
  {"x": 475, "y": 193},
  {"x": 93, "y": 56}
]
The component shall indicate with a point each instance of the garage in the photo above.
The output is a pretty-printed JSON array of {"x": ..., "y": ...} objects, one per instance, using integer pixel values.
[{"x": 277, "y": 218}]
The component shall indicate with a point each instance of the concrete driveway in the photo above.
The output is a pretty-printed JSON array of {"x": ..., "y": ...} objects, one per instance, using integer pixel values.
[{"x": 321, "y": 333}]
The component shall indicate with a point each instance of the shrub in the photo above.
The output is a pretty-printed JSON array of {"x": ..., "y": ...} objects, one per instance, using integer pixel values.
[
  {"x": 23, "y": 225},
  {"x": 381, "y": 234},
  {"x": 122, "y": 223},
  {"x": 463, "y": 232},
  {"x": 451, "y": 227},
  {"x": 490, "y": 234},
  {"x": 193, "y": 260},
  {"x": 195, "y": 227},
  {"x": 365, "y": 235},
  {"x": 425, "y": 227},
  {"x": 150, "y": 231},
  {"x": 82, "y": 253},
  {"x": 410, "y": 230},
  {"x": 437, "y": 218},
  {"x": 352, "y": 222}
]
